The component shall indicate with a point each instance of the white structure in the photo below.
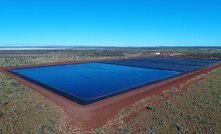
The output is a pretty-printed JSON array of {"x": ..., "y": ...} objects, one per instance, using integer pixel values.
[{"x": 157, "y": 53}]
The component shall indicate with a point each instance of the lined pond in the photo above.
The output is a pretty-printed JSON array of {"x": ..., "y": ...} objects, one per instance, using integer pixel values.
[{"x": 85, "y": 83}]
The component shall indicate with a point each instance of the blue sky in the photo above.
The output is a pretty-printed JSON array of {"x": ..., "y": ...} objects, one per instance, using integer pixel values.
[{"x": 111, "y": 22}]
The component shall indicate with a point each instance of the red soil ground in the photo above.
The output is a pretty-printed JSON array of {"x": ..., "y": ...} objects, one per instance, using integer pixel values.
[{"x": 96, "y": 114}]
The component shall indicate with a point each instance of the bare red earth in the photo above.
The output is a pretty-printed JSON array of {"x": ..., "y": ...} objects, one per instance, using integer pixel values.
[
  {"x": 96, "y": 114},
  {"x": 160, "y": 100}
]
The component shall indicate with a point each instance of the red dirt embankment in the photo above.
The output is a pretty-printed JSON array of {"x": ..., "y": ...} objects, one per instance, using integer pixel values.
[
  {"x": 96, "y": 114},
  {"x": 180, "y": 90}
]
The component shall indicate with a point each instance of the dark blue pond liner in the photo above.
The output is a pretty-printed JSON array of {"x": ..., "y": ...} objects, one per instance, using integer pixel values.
[
  {"x": 86, "y": 83},
  {"x": 177, "y": 64}
]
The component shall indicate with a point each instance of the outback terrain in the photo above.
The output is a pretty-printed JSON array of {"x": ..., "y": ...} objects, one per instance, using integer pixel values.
[{"x": 194, "y": 106}]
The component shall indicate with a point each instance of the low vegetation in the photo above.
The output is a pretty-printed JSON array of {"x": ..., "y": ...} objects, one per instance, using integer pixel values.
[{"x": 196, "y": 110}]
